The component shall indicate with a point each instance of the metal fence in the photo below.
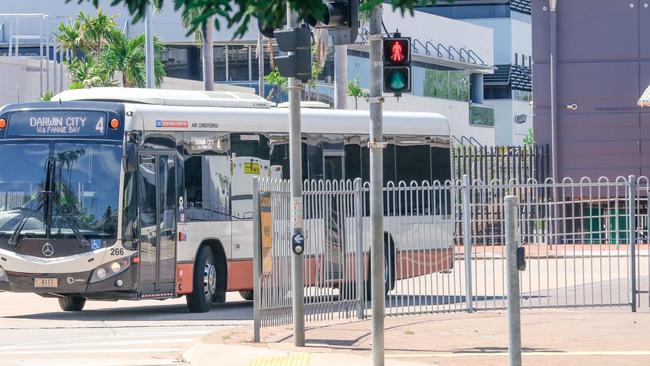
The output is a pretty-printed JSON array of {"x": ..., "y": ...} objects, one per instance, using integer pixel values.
[
  {"x": 586, "y": 245},
  {"x": 503, "y": 163}
]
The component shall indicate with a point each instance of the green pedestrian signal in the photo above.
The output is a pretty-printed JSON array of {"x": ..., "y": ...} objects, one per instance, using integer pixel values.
[{"x": 397, "y": 65}]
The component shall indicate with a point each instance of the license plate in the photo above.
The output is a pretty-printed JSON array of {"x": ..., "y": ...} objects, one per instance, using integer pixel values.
[{"x": 46, "y": 282}]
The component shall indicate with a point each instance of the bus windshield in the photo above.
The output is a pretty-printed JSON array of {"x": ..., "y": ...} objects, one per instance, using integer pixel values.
[{"x": 79, "y": 181}]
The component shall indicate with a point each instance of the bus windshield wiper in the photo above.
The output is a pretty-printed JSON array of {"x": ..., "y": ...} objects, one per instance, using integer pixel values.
[
  {"x": 42, "y": 197},
  {"x": 58, "y": 199},
  {"x": 13, "y": 240}
]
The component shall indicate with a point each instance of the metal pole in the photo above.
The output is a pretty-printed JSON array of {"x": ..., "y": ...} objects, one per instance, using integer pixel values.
[
  {"x": 359, "y": 254},
  {"x": 632, "y": 238},
  {"x": 376, "y": 145},
  {"x": 295, "y": 167},
  {"x": 260, "y": 63},
  {"x": 257, "y": 260},
  {"x": 467, "y": 241},
  {"x": 514, "y": 310},
  {"x": 553, "y": 75},
  {"x": 149, "y": 56},
  {"x": 341, "y": 77}
]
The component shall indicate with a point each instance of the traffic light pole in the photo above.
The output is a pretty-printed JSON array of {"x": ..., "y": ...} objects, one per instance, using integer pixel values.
[
  {"x": 295, "y": 168},
  {"x": 376, "y": 145}
]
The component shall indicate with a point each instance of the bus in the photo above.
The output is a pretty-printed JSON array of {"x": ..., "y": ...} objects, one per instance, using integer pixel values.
[{"x": 113, "y": 193}]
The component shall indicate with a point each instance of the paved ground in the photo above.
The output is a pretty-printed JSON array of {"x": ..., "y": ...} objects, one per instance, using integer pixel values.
[
  {"x": 33, "y": 331},
  {"x": 592, "y": 337}
]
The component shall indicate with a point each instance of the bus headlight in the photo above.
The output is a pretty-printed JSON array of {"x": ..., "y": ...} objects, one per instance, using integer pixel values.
[
  {"x": 110, "y": 269},
  {"x": 3, "y": 275}
]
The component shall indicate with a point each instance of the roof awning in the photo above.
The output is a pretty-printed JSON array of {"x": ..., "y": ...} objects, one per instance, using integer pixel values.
[{"x": 644, "y": 101}]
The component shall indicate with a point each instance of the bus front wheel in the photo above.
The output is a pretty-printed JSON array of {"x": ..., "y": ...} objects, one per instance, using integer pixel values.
[
  {"x": 72, "y": 303},
  {"x": 205, "y": 282}
]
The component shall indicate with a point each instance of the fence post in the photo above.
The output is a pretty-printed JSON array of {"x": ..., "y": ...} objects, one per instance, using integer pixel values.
[
  {"x": 514, "y": 305},
  {"x": 467, "y": 240},
  {"x": 257, "y": 256},
  {"x": 361, "y": 293},
  {"x": 632, "y": 238}
]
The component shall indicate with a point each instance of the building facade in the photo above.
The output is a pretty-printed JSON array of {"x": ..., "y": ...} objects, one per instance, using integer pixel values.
[
  {"x": 591, "y": 64},
  {"x": 509, "y": 89},
  {"x": 449, "y": 57}
]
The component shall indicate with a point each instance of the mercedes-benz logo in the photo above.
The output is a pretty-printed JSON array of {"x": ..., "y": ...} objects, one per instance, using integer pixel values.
[{"x": 47, "y": 250}]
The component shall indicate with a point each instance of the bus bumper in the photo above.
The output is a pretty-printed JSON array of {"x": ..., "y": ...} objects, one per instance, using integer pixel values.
[{"x": 70, "y": 283}]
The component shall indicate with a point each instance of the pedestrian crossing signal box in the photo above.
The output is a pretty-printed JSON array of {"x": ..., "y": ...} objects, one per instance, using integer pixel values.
[{"x": 397, "y": 65}]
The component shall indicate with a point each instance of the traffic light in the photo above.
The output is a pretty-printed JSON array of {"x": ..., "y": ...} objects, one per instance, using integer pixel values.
[
  {"x": 341, "y": 18},
  {"x": 298, "y": 41},
  {"x": 397, "y": 65}
]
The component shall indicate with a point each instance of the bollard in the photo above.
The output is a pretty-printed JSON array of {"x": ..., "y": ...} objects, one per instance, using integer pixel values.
[{"x": 514, "y": 308}]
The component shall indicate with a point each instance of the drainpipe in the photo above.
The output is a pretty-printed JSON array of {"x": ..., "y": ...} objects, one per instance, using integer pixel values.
[{"x": 553, "y": 72}]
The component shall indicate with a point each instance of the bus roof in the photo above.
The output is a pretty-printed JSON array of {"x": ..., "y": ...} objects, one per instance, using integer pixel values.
[
  {"x": 171, "y": 118},
  {"x": 165, "y": 97}
]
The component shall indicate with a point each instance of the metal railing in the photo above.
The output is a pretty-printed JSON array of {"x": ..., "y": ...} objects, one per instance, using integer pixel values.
[
  {"x": 51, "y": 71},
  {"x": 586, "y": 245}
]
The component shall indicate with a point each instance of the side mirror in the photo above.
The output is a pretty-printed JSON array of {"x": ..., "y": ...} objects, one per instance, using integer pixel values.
[{"x": 131, "y": 154}]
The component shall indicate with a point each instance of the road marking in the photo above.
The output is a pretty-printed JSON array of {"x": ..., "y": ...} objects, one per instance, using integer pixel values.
[
  {"x": 112, "y": 362},
  {"x": 109, "y": 343},
  {"x": 524, "y": 353},
  {"x": 94, "y": 351}
]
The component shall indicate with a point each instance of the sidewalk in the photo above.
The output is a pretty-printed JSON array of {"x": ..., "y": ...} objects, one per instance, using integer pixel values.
[{"x": 550, "y": 337}]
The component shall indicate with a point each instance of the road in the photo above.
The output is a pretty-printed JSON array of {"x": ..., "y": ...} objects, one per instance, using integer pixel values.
[{"x": 33, "y": 331}]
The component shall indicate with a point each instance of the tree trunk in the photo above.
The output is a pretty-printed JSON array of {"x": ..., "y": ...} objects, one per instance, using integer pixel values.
[
  {"x": 341, "y": 77},
  {"x": 207, "y": 54}
]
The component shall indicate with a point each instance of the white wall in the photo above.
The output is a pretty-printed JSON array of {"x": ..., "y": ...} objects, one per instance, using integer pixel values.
[
  {"x": 21, "y": 80},
  {"x": 507, "y": 132},
  {"x": 511, "y": 35},
  {"x": 437, "y": 29},
  {"x": 456, "y": 112}
]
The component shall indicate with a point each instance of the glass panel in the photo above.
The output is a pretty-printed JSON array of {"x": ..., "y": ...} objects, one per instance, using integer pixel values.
[
  {"x": 167, "y": 214},
  {"x": 175, "y": 60},
  {"x": 148, "y": 227},
  {"x": 237, "y": 63},
  {"x": 333, "y": 167},
  {"x": 87, "y": 187},
  {"x": 219, "y": 63},
  {"x": 22, "y": 178}
]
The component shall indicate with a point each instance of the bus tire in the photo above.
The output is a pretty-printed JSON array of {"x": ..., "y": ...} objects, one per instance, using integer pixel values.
[
  {"x": 72, "y": 303},
  {"x": 205, "y": 282},
  {"x": 389, "y": 265},
  {"x": 246, "y": 294}
]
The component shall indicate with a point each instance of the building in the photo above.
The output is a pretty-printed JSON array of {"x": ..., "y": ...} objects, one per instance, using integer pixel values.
[
  {"x": 591, "y": 65},
  {"x": 509, "y": 89},
  {"x": 449, "y": 57}
]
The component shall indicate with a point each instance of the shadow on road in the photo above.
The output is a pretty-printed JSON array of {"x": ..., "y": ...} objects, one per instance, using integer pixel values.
[{"x": 236, "y": 310}]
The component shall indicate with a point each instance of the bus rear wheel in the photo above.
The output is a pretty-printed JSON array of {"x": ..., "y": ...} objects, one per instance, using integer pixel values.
[
  {"x": 72, "y": 303},
  {"x": 205, "y": 282}
]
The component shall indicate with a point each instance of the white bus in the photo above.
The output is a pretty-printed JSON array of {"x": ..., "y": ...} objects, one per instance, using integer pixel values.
[{"x": 112, "y": 193}]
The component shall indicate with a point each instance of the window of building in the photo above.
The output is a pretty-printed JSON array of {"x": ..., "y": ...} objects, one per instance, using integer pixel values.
[
  {"x": 238, "y": 63},
  {"x": 447, "y": 84},
  {"x": 220, "y": 63}
]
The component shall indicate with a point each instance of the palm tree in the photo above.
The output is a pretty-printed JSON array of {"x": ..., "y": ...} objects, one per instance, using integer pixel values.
[
  {"x": 95, "y": 32},
  {"x": 128, "y": 57},
  {"x": 204, "y": 37}
]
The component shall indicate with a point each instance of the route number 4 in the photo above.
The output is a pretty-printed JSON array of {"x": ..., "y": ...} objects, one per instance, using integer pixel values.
[{"x": 100, "y": 125}]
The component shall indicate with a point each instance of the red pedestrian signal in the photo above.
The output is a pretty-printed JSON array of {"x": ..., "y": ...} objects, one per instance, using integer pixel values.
[
  {"x": 397, "y": 65},
  {"x": 397, "y": 51}
]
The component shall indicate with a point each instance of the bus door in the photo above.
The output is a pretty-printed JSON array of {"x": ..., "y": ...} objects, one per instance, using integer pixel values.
[
  {"x": 334, "y": 170},
  {"x": 157, "y": 195}
]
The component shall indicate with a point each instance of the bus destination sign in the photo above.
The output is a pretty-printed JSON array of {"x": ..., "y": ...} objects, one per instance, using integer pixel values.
[{"x": 57, "y": 124}]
